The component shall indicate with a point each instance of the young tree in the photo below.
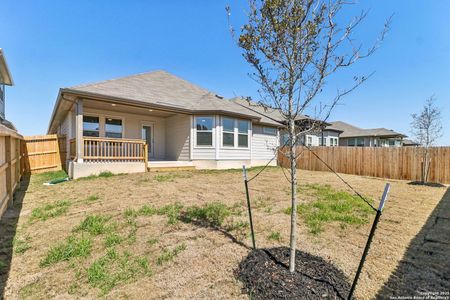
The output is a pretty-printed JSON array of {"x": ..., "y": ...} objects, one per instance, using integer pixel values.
[
  {"x": 293, "y": 47},
  {"x": 426, "y": 128}
]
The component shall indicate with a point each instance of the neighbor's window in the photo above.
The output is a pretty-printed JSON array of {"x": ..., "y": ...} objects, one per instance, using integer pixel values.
[
  {"x": 204, "y": 128},
  {"x": 309, "y": 139},
  {"x": 391, "y": 142},
  {"x": 243, "y": 127},
  {"x": 360, "y": 142},
  {"x": 228, "y": 132},
  {"x": 270, "y": 130},
  {"x": 351, "y": 142},
  {"x": 91, "y": 126},
  {"x": 113, "y": 128}
]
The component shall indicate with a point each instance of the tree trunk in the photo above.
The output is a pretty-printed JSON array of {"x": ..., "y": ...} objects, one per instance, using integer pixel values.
[{"x": 293, "y": 238}]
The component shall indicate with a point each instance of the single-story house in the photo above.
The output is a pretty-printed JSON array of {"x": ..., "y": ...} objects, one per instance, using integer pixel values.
[
  {"x": 353, "y": 136},
  {"x": 158, "y": 120}
]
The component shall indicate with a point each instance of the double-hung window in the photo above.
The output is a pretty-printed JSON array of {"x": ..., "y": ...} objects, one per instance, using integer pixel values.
[
  {"x": 360, "y": 142},
  {"x": 269, "y": 130},
  {"x": 228, "y": 132},
  {"x": 91, "y": 126},
  {"x": 204, "y": 131},
  {"x": 351, "y": 142},
  {"x": 113, "y": 128},
  {"x": 309, "y": 139},
  {"x": 243, "y": 127}
]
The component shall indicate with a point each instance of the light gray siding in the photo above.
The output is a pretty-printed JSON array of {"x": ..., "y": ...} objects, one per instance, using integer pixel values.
[
  {"x": 263, "y": 145},
  {"x": 177, "y": 137}
]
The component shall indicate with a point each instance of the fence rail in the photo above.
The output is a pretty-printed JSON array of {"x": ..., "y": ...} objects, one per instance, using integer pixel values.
[
  {"x": 114, "y": 149},
  {"x": 394, "y": 163},
  {"x": 44, "y": 153}
]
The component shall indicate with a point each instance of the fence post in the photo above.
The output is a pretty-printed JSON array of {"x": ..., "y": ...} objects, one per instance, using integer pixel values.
[
  {"x": 369, "y": 240},
  {"x": 8, "y": 170},
  {"x": 146, "y": 156},
  {"x": 244, "y": 171}
]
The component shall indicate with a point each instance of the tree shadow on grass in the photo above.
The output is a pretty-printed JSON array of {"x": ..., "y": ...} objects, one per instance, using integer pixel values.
[
  {"x": 425, "y": 266},
  {"x": 8, "y": 228}
]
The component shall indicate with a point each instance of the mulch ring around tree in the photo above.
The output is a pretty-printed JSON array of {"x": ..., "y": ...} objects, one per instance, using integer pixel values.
[{"x": 265, "y": 275}]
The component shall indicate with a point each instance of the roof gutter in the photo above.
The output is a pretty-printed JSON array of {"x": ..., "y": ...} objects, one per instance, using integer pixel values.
[{"x": 5, "y": 75}]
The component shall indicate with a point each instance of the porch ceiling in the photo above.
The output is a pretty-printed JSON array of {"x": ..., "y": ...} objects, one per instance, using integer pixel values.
[{"x": 123, "y": 108}]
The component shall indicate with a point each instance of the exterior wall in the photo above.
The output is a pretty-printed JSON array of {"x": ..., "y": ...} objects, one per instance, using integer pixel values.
[
  {"x": 263, "y": 145},
  {"x": 178, "y": 137},
  {"x": 131, "y": 127},
  {"x": 77, "y": 170}
]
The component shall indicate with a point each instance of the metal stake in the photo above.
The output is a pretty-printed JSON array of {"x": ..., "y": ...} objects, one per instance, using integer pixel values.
[
  {"x": 244, "y": 171},
  {"x": 369, "y": 240}
]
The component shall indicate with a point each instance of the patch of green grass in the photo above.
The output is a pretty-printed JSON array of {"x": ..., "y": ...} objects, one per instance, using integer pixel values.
[
  {"x": 50, "y": 210},
  {"x": 240, "y": 225},
  {"x": 331, "y": 206},
  {"x": 21, "y": 244},
  {"x": 104, "y": 174},
  {"x": 31, "y": 290},
  {"x": 172, "y": 211},
  {"x": 168, "y": 255},
  {"x": 130, "y": 213},
  {"x": 49, "y": 176},
  {"x": 113, "y": 268},
  {"x": 211, "y": 213},
  {"x": 92, "y": 198},
  {"x": 71, "y": 248},
  {"x": 3, "y": 265},
  {"x": 275, "y": 236},
  {"x": 147, "y": 210},
  {"x": 94, "y": 224},
  {"x": 170, "y": 177},
  {"x": 152, "y": 241},
  {"x": 112, "y": 239}
]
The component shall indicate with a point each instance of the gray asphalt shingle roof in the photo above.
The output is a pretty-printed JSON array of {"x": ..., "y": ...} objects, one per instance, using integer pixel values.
[
  {"x": 353, "y": 131},
  {"x": 164, "y": 89}
]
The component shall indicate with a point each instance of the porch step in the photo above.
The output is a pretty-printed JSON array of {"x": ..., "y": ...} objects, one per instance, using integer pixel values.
[{"x": 170, "y": 166}]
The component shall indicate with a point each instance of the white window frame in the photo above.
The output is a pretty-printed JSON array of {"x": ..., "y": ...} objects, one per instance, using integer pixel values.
[
  {"x": 212, "y": 131},
  {"x": 122, "y": 122},
  {"x": 99, "y": 125},
  {"x": 236, "y": 134},
  {"x": 309, "y": 141},
  {"x": 230, "y": 132}
]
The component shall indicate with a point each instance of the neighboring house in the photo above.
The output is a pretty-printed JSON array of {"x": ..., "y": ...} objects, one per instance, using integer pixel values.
[
  {"x": 357, "y": 137},
  {"x": 410, "y": 143},
  {"x": 328, "y": 137},
  {"x": 5, "y": 79},
  {"x": 114, "y": 124}
]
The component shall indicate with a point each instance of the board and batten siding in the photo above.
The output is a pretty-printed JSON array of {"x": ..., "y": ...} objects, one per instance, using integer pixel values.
[
  {"x": 263, "y": 145},
  {"x": 177, "y": 137}
]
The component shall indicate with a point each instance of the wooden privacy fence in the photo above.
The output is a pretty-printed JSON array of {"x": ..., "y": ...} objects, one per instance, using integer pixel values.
[
  {"x": 394, "y": 163},
  {"x": 44, "y": 153},
  {"x": 11, "y": 165}
]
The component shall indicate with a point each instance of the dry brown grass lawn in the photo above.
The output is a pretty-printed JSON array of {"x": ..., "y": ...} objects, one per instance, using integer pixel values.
[{"x": 143, "y": 253}]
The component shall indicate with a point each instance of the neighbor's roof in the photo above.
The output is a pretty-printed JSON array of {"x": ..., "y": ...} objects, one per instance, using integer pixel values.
[
  {"x": 160, "y": 90},
  {"x": 353, "y": 131},
  {"x": 408, "y": 142},
  {"x": 5, "y": 75}
]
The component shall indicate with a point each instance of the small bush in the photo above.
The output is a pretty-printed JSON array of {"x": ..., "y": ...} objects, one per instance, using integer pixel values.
[
  {"x": 94, "y": 224},
  {"x": 73, "y": 247},
  {"x": 275, "y": 236},
  {"x": 168, "y": 255},
  {"x": 212, "y": 213},
  {"x": 50, "y": 210}
]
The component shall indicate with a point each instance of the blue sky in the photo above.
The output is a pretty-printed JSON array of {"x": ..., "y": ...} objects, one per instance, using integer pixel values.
[{"x": 53, "y": 44}]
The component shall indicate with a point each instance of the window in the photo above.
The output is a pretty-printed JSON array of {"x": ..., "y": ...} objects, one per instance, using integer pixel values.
[
  {"x": 391, "y": 143},
  {"x": 270, "y": 130},
  {"x": 335, "y": 141},
  {"x": 228, "y": 132},
  {"x": 113, "y": 128},
  {"x": 351, "y": 142},
  {"x": 204, "y": 126},
  {"x": 243, "y": 127},
  {"x": 360, "y": 142},
  {"x": 91, "y": 126},
  {"x": 309, "y": 139}
]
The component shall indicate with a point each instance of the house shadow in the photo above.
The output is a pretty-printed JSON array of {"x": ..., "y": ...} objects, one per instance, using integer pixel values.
[
  {"x": 425, "y": 266},
  {"x": 8, "y": 228}
]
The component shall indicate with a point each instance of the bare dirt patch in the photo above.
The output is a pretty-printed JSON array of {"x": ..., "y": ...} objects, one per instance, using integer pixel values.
[{"x": 146, "y": 245}]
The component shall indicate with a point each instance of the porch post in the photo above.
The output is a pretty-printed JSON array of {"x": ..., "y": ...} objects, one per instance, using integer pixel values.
[{"x": 79, "y": 130}]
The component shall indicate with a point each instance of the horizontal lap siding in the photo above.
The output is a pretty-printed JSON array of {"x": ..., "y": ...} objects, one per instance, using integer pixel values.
[
  {"x": 263, "y": 145},
  {"x": 177, "y": 137}
]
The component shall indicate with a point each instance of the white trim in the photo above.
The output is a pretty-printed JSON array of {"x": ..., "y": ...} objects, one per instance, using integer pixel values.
[
  {"x": 151, "y": 153},
  {"x": 212, "y": 132},
  {"x": 236, "y": 134},
  {"x": 218, "y": 128},
  {"x": 191, "y": 139}
]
